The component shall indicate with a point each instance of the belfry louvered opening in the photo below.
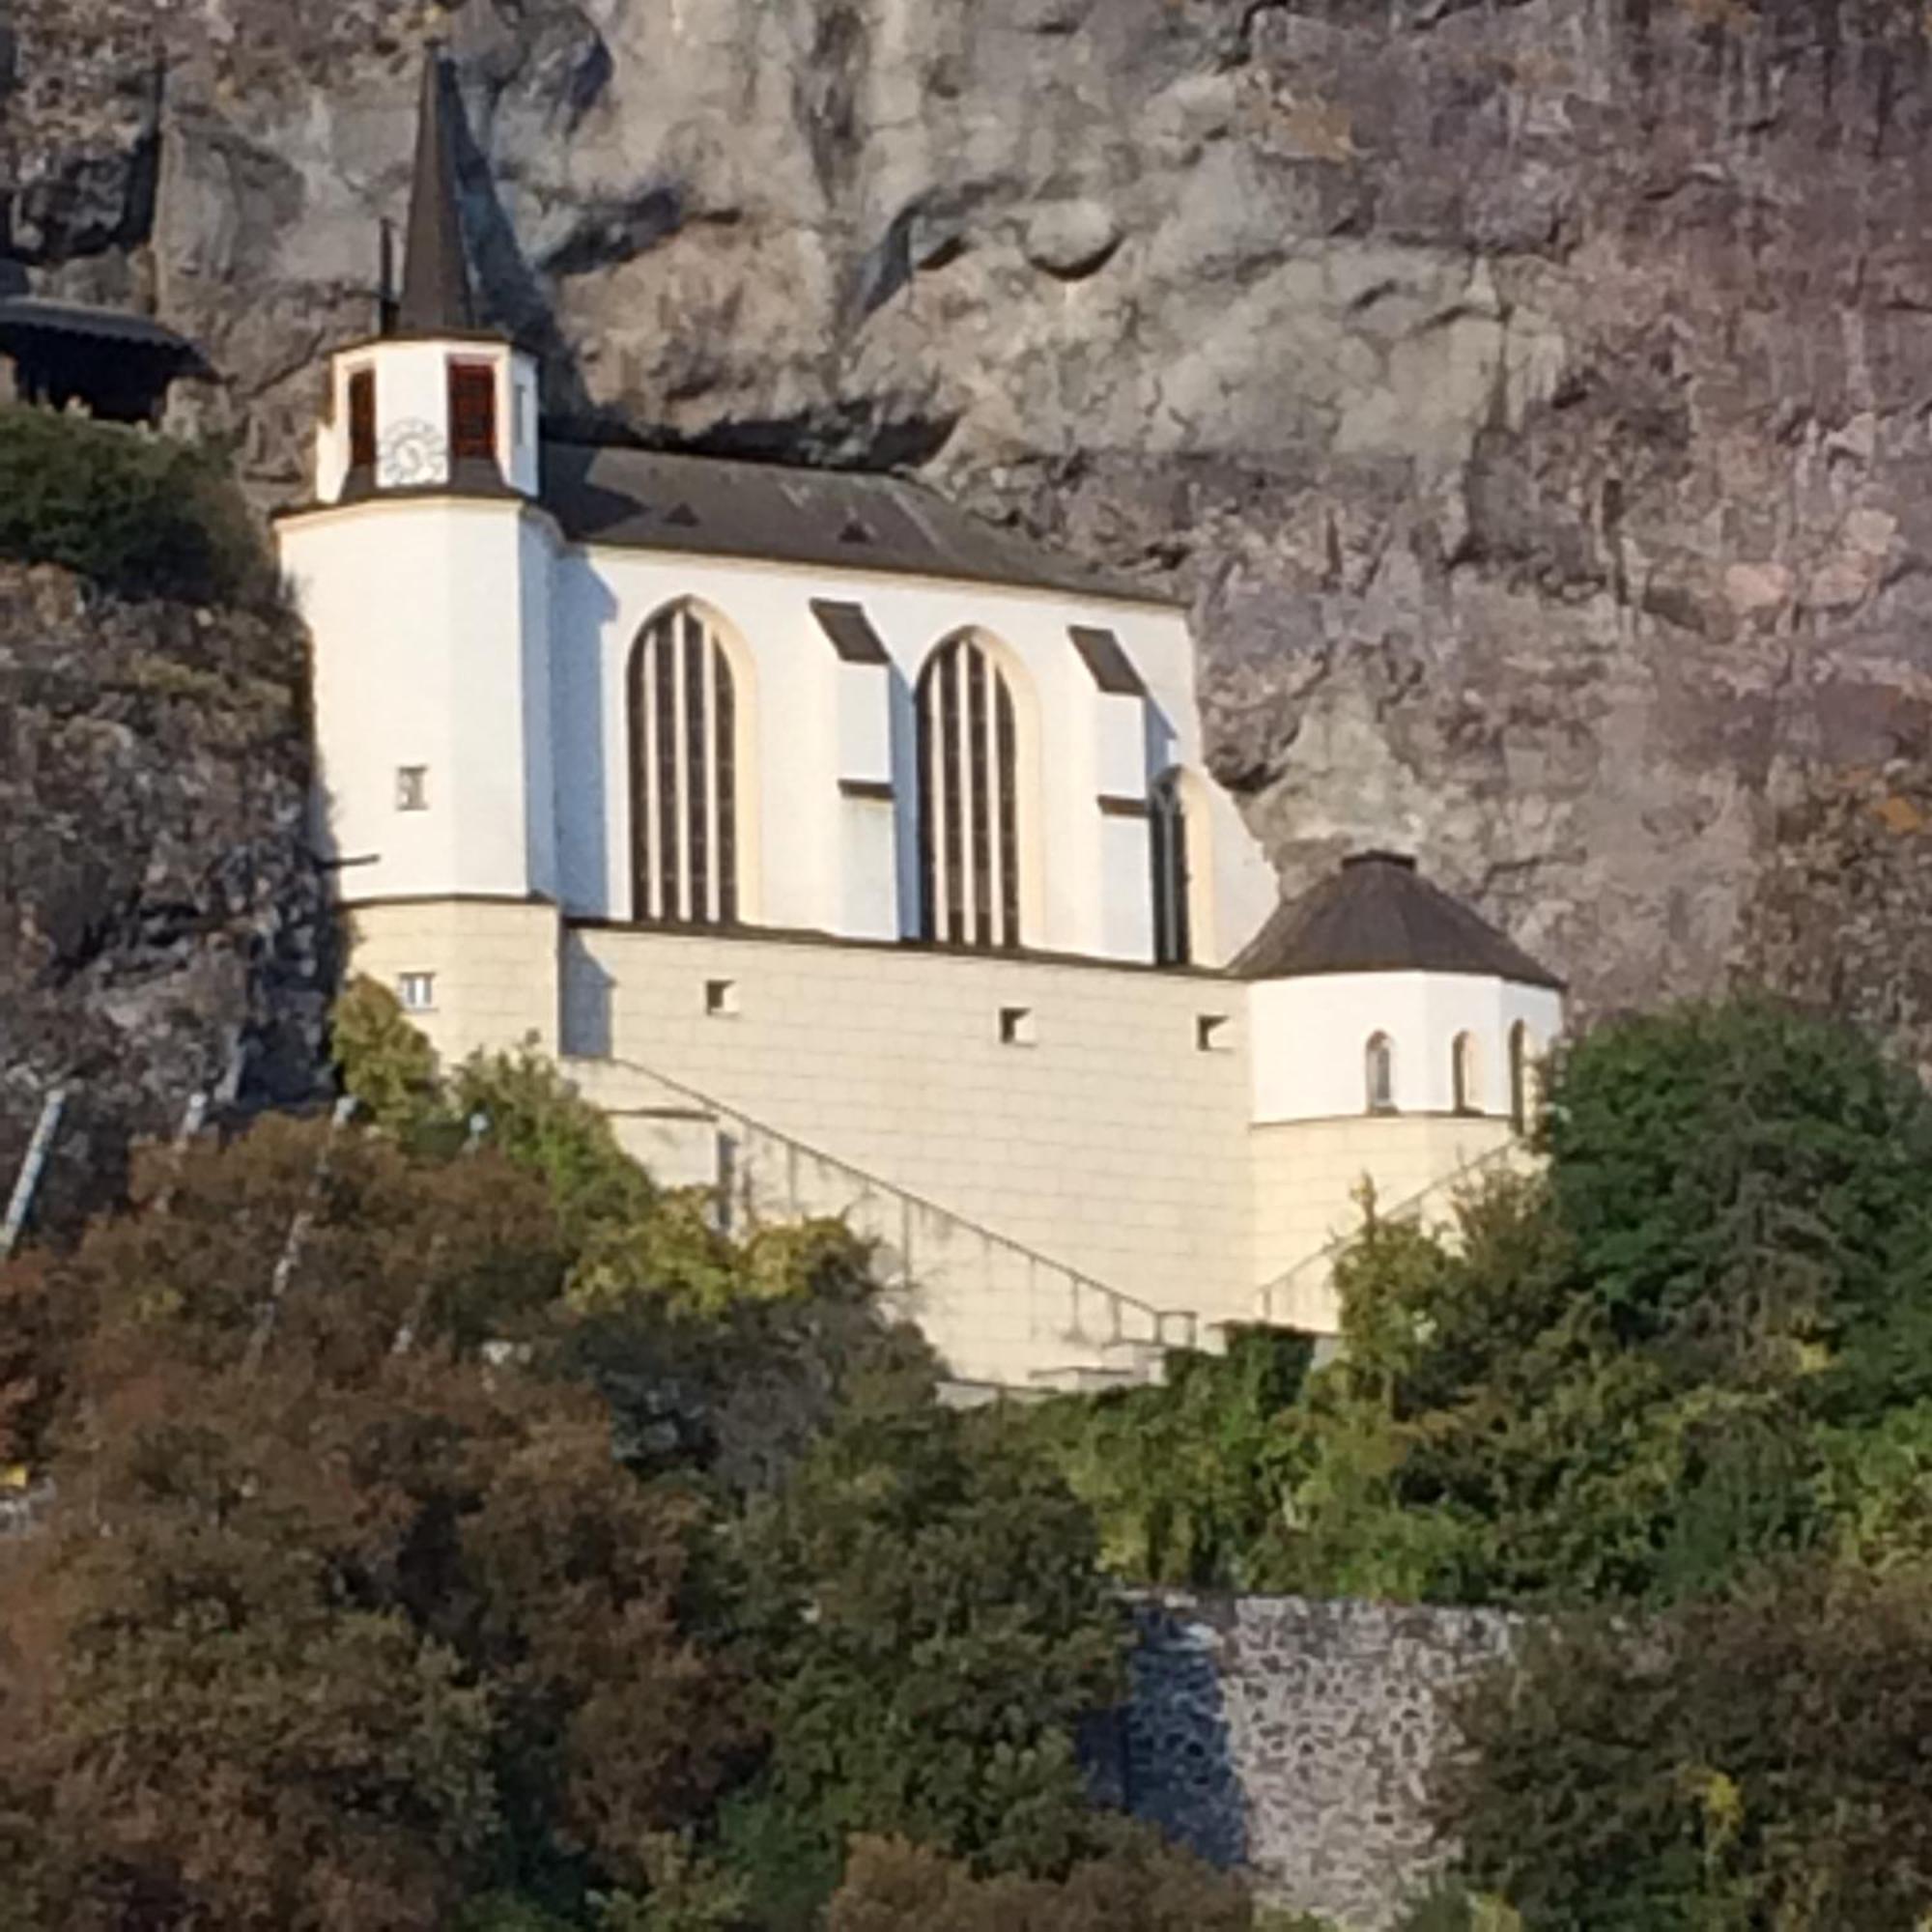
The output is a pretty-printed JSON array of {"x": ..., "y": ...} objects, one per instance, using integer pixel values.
[
  {"x": 684, "y": 773},
  {"x": 968, "y": 798}
]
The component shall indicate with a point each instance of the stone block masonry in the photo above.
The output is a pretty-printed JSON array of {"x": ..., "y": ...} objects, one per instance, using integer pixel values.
[{"x": 1296, "y": 1738}]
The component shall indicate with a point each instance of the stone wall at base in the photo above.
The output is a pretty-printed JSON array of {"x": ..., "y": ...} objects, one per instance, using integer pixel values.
[{"x": 1296, "y": 1738}]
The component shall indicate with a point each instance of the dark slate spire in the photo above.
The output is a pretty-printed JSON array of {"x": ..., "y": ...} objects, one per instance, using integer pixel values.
[{"x": 436, "y": 272}]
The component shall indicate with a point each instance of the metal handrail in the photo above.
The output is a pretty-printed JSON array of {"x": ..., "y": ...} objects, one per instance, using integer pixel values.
[{"x": 725, "y": 1111}]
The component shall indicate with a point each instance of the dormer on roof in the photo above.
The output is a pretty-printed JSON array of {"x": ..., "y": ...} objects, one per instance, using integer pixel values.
[{"x": 433, "y": 405}]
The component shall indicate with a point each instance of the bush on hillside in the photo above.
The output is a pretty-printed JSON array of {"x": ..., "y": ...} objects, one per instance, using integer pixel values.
[
  {"x": 1756, "y": 1761},
  {"x": 136, "y": 514}
]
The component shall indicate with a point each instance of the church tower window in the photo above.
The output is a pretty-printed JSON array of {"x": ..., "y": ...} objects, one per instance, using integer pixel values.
[
  {"x": 473, "y": 411},
  {"x": 1173, "y": 935},
  {"x": 969, "y": 800},
  {"x": 684, "y": 773}
]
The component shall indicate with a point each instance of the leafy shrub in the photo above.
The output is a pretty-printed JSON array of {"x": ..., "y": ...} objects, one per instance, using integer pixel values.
[
  {"x": 136, "y": 514},
  {"x": 1753, "y": 1762},
  {"x": 1142, "y": 1887}
]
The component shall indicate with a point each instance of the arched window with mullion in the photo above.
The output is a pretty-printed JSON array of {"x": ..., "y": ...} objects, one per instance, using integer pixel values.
[
  {"x": 968, "y": 800},
  {"x": 684, "y": 773}
]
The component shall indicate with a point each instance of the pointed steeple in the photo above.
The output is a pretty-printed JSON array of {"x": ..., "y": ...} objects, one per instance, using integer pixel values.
[{"x": 435, "y": 271}]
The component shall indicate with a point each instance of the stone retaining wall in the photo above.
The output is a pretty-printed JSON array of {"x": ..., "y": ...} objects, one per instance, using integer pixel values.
[{"x": 1295, "y": 1737}]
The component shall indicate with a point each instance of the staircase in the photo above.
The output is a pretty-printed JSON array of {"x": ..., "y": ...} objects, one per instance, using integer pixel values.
[{"x": 1003, "y": 1316}]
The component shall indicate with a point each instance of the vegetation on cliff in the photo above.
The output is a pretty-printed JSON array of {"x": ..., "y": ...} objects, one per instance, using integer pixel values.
[
  {"x": 450, "y": 1528},
  {"x": 136, "y": 514}
]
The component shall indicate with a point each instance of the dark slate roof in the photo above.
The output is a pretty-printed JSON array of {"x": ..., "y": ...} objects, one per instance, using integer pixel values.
[
  {"x": 435, "y": 271},
  {"x": 1378, "y": 915},
  {"x": 30, "y": 315},
  {"x": 716, "y": 506}
]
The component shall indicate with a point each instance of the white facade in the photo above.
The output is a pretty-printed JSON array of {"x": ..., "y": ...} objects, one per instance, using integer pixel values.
[{"x": 696, "y": 822}]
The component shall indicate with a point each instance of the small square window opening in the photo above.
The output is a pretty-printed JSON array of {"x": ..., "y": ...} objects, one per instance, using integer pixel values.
[
  {"x": 417, "y": 992},
  {"x": 1017, "y": 1027},
  {"x": 411, "y": 787},
  {"x": 721, "y": 998},
  {"x": 1211, "y": 1033}
]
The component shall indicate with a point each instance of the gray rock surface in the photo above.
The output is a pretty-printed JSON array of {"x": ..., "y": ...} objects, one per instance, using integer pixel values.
[
  {"x": 1535, "y": 400},
  {"x": 159, "y": 911}
]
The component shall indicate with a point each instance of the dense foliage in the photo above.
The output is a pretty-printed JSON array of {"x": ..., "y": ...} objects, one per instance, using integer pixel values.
[
  {"x": 137, "y": 514},
  {"x": 451, "y": 1528},
  {"x": 1669, "y": 1396}
]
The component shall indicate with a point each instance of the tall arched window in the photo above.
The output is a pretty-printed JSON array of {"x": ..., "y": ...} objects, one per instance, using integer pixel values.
[
  {"x": 684, "y": 773},
  {"x": 1380, "y": 1067},
  {"x": 1172, "y": 925},
  {"x": 1519, "y": 1077},
  {"x": 1463, "y": 1074},
  {"x": 968, "y": 812}
]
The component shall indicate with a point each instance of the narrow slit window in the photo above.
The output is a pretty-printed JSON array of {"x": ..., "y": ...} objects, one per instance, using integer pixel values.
[
  {"x": 363, "y": 419},
  {"x": 1463, "y": 1074},
  {"x": 1172, "y": 941},
  {"x": 472, "y": 410},
  {"x": 411, "y": 787}
]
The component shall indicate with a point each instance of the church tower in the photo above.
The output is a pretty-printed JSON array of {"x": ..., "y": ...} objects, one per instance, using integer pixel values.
[{"x": 424, "y": 566}]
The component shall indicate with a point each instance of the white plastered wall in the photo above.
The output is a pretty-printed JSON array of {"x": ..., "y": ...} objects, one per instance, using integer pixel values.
[
  {"x": 1313, "y": 1143},
  {"x": 1311, "y": 1037},
  {"x": 427, "y": 620},
  {"x": 820, "y": 858}
]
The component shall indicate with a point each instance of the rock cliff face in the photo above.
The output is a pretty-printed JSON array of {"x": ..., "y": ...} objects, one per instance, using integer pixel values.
[
  {"x": 161, "y": 923},
  {"x": 1535, "y": 400}
]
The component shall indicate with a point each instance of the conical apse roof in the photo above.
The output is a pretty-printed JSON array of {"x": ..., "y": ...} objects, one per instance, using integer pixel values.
[
  {"x": 435, "y": 271},
  {"x": 1378, "y": 915}
]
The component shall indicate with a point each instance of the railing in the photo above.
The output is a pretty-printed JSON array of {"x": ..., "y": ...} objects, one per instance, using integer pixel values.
[
  {"x": 1124, "y": 1318},
  {"x": 1409, "y": 1208}
]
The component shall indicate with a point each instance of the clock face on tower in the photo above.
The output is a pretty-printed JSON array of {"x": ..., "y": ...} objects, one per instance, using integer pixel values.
[{"x": 413, "y": 452}]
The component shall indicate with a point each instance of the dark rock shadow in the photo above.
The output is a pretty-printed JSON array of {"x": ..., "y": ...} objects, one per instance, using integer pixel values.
[{"x": 1166, "y": 1756}]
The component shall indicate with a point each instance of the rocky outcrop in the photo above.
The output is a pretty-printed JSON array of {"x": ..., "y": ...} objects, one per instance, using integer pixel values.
[
  {"x": 1535, "y": 400},
  {"x": 161, "y": 919}
]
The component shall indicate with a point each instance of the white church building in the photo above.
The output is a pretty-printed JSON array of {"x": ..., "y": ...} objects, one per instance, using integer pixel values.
[{"x": 860, "y": 858}]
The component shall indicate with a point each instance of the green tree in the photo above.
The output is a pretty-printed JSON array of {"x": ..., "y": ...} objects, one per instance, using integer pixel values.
[
  {"x": 342, "y": 1616},
  {"x": 1750, "y": 1762},
  {"x": 1667, "y": 1359}
]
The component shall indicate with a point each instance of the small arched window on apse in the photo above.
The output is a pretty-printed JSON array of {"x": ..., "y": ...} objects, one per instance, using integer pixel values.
[
  {"x": 1463, "y": 1074},
  {"x": 688, "y": 771},
  {"x": 1380, "y": 1070},
  {"x": 1522, "y": 1052},
  {"x": 968, "y": 800}
]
